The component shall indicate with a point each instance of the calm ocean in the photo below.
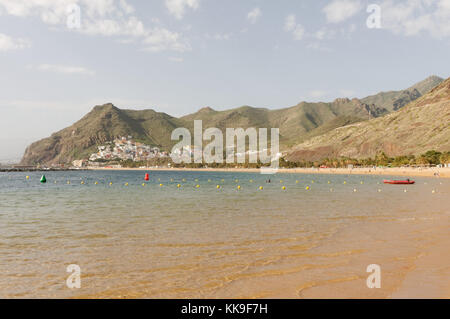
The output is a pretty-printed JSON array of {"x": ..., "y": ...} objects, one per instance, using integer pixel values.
[{"x": 157, "y": 241}]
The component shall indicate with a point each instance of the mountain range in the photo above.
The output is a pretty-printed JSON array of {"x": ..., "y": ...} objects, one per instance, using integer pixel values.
[
  {"x": 422, "y": 125},
  {"x": 303, "y": 127}
]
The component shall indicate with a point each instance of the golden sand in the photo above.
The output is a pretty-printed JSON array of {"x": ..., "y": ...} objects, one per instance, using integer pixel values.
[{"x": 402, "y": 171}]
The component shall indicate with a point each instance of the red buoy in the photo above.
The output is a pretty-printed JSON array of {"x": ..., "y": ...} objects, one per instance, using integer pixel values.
[{"x": 147, "y": 177}]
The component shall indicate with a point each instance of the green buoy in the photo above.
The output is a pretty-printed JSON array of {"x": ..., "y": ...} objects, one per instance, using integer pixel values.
[{"x": 43, "y": 179}]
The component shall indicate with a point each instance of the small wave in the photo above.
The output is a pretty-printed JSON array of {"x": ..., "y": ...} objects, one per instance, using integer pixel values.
[{"x": 93, "y": 236}]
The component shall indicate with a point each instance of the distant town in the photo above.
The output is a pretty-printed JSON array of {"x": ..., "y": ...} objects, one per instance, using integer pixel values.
[{"x": 122, "y": 149}]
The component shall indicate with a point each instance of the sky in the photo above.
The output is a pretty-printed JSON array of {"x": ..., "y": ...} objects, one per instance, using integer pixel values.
[{"x": 60, "y": 58}]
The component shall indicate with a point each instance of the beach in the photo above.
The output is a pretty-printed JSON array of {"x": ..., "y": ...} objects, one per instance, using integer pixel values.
[
  {"x": 443, "y": 172},
  {"x": 152, "y": 239}
]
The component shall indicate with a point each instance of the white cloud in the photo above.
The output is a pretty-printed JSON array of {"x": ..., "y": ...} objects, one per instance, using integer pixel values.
[
  {"x": 299, "y": 32},
  {"x": 160, "y": 39},
  {"x": 328, "y": 33},
  {"x": 126, "y": 7},
  {"x": 65, "y": 69},
  {"x": 320, "y": 35},
  {"x": 254, "y": 15},
  {"x": 291, "y": 25},
  {"x": 317, "y": 37},
  {"x": 177, "y": 8},
  {"x": 8, "y": 43},
  {"x": 341, "y": 10},
  {"x": 132, "y": 27},
  {"x": 109, "y": 18},
  {"x": 412, "y": 18}
]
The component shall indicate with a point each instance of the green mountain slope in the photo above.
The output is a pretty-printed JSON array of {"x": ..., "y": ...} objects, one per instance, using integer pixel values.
[
  {"x": 102, "y": 124},
  {"x": 420, "y": 126},
  {"x": 297, "y": 124}
]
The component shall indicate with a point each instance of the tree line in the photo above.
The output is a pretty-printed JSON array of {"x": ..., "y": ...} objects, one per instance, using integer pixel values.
[{"x": 430, "y": 158}]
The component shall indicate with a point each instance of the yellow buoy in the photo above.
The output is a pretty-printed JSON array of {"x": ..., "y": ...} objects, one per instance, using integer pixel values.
[
  {"x": 239, "y": 187},
  {"x": 329, "y": 182},
  {"x": 143, "y": 184},
  {"x": 198, "y": 186},
  {"x": 160, "y": 185},
  {"x": 126, "y": 184},
  {"x": 110, "y": 184},
  {"x": 28, "y": 177},
  {"x": 218, "y": 186},
  {"x": 307, "y": 188},
  {"x": 345, "y": 182},
  {"x": 296, "y": 182},
  {"x": 178, "y": 185},
  {"x": 82, "y": 183},
  {"x": 283, "y": 188},
  {"x": 260, "y": 187},
  {"x": 96, "y": 183}
]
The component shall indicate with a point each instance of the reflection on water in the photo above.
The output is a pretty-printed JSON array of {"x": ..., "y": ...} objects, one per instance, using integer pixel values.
[{"x": 163, "y": 241}]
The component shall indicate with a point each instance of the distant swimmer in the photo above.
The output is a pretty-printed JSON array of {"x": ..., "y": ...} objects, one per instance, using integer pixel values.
[{"x": 268, "y": 181}]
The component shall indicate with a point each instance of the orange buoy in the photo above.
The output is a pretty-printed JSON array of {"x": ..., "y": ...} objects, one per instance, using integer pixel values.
[{"x": 147, "y": 177}]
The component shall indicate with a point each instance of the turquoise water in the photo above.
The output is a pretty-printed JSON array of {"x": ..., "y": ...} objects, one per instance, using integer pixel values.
[{"x": 164, "y": 241}]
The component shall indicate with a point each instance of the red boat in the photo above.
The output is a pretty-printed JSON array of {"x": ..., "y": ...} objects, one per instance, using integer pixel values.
[{"x": 408, "y": 182}]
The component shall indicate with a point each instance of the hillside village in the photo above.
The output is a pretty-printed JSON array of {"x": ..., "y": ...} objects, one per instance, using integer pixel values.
[{"x": 123, "y": 149}]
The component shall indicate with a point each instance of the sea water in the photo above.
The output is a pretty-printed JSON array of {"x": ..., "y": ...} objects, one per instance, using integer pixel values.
[{"x": 157, "y": 240}]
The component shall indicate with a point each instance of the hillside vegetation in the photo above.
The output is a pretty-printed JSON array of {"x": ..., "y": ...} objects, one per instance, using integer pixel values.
[
  {"x": 297, "y": 124},
  {"x": 420, "y": 126}
]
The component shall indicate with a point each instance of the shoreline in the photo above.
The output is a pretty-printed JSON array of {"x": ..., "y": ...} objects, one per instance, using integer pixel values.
[{"x": 407, "y": 171}]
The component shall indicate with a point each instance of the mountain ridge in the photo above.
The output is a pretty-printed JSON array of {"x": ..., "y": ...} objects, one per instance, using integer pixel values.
[
  {"x": 297, "y": 123},
  {"x": 420, "y": 126}
]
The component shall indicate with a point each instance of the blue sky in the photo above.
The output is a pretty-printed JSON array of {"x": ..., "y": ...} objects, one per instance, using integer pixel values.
[{"x": 177, "y": 56}]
